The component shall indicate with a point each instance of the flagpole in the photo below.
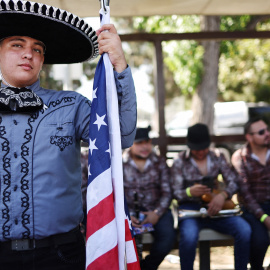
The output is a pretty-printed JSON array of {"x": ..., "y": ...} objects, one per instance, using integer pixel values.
[{"x": 104, "y": 4}]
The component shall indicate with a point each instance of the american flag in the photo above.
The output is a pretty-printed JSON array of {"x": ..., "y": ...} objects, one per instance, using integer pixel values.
[
  {"x": 106, "y": 244},
  {"x": 131, "y": 252}
]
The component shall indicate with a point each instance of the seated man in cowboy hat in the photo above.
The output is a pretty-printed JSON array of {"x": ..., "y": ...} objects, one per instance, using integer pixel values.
[
  {"x": 148, "y": 190},
  {"x": 189, "y": 172},
  {"x": 41, "y": 131}
]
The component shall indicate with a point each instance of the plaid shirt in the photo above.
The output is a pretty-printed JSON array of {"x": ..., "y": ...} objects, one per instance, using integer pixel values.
[
  {"x": 152, "y": 185},
  {"x": 255, "y": 182},
  {"x": 185, "y": 173}
]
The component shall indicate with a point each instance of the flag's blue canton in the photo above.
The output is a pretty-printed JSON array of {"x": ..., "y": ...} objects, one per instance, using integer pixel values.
[{"x": 99, "y": 147}]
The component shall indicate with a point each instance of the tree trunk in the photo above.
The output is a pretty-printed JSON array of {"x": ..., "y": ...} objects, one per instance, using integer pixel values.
[{"x": 204, "y": 99}]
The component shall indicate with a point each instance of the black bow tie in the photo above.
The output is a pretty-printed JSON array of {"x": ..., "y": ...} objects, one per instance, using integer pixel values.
[{"x": 19, "y": 100}]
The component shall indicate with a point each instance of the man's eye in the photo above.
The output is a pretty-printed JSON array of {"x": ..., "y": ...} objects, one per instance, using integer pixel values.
[
  {"x": 38, "y": 51},
  {"x": 16, "y": 45}
]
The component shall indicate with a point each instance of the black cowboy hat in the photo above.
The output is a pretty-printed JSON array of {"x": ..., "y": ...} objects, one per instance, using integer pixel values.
[
  {"x": 68, "y": 38},
  {"x": 198, "y": 137},
  {"x": 142, "y": 134}
]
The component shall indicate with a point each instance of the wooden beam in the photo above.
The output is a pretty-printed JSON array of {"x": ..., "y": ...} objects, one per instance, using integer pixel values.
[
  {"x": 199, "y": 36},
  {"x": 214, "y": 139}
]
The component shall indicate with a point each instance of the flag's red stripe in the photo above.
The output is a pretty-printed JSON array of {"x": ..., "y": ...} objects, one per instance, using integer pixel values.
[
  {"x": 108, "y": 260},
  {"x": 133, "y": 266},
  {"x": 100, "y": 215}
]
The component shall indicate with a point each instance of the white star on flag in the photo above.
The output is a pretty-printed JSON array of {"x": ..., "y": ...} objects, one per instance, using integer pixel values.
[
  {"x": 100, "y": 121},
  {"x": 94, "y": 94},
  {"x": 92, "y": 145}
]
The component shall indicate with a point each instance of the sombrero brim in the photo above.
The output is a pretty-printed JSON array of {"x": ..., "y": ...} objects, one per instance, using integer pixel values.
[{"x": 68, "y": 39}]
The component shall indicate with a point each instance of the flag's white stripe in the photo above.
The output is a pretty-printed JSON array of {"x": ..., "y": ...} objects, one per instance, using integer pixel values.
[
  {"x": 130, "y": 252},
  {"x": 103, "y": 235},
  {"x": 99, "y": 188}
]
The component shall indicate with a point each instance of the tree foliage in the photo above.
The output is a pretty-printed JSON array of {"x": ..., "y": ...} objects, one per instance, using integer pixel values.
[
  {"x": 244, "y": 64},
  {"x": 245, "y": 74}
]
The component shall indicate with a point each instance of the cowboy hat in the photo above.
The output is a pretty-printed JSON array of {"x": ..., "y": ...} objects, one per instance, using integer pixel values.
[
  {"x": 68, "y": 38},
  {"x": 198, "y": 137}
]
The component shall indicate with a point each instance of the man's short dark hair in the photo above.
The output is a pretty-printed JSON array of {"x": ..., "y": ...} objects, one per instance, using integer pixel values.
[{"x": 252, "y": 121}]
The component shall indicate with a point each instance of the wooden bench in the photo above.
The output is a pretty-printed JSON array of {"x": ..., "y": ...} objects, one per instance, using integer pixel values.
[{"x": 207, "y": 238}]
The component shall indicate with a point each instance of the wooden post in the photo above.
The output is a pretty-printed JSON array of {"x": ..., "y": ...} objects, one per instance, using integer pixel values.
[{"x": 160, "y": 97}]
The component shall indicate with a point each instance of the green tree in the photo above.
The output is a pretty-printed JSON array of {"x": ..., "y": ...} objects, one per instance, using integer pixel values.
[{"x": 243, "y": 64}]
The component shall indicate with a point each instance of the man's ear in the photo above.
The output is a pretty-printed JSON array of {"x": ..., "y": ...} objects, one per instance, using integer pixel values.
[{"x": 249, "y": 138}]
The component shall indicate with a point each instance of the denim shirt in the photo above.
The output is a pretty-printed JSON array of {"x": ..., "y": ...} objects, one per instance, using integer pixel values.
[{"x": 40, "y": 160}]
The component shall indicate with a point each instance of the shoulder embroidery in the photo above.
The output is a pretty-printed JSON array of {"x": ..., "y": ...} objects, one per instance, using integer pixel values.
[{"x": 63, "y": 100}]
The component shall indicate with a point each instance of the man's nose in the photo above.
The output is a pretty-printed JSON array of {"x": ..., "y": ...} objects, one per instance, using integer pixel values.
[{"x": 27, "y": 53}]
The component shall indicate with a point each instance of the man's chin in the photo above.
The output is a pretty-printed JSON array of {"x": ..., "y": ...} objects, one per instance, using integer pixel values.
[{"x": 142, "y": 157}]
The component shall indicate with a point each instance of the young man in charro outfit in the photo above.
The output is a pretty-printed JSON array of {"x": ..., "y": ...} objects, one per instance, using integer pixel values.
[
  {"x": 41, "y": 131},
  {"x": 188, "y": 173},
  {"x": 253, "y": 164}
]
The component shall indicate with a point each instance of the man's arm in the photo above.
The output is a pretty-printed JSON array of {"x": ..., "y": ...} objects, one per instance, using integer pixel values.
[
  {"x": 244, "y": 188},
  {"x": 230, "y": 178},
  {"x": 229, "y": 175},
  {"x": 179, "y": 184},
  {"x": 179, "y": 191},
  {"x": 165, "y": 197},
  {"x": 127, "y": 106},
  {"x": 110, "y": 42}
]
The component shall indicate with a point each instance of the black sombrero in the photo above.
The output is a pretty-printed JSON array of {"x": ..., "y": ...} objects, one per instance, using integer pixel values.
[{"x": 68, "y": 38}]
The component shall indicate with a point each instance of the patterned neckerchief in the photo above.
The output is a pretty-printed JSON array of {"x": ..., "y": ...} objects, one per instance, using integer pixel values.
[{"x": 19, "y": 100}]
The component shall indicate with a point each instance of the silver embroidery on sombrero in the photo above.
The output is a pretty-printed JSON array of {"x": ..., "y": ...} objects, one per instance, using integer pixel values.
[{"x": 54, "y": 13}]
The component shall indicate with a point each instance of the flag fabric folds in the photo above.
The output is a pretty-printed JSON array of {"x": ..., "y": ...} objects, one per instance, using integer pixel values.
[
  {"x": 106, "y": 244},
  {"x": 131, "y": 250}
]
